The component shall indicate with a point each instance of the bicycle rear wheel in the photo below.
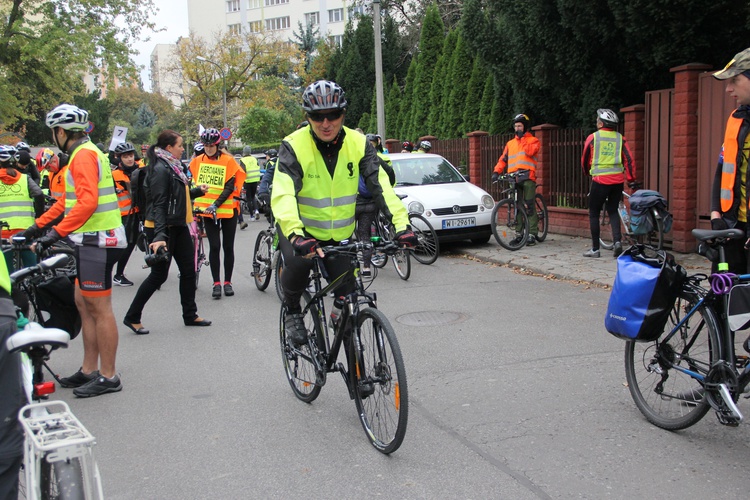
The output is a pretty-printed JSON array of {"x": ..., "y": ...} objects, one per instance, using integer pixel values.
[
  {"x": 62, "y": 480},
  {"x": 655, "y": 237},
  {"x": 298, "y": 362},
  {"x": 379, "y": 382},
  {"x": 510, "y": 225},
  {"x": 541, "y": 213},
  {"x": 668, "y": 397},
  {"x": 428, "y": 247},
  {"x": 606, "y": 241},
  {"x": 262, "y": 260}
]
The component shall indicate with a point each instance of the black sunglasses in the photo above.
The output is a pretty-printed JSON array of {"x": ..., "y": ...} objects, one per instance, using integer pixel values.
[{"x": 319, "y": 117}]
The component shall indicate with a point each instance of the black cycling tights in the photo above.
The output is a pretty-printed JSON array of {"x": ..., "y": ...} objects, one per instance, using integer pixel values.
[
  {"x": 607, "y": 196},
  {"x": 215, "y": 231}
]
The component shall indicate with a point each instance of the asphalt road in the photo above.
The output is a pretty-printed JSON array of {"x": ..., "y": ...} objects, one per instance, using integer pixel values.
[{"x": 516, "y": 391}]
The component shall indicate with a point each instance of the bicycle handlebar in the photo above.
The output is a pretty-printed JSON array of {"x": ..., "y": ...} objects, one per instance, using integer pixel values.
[
  {"x": 55, "y": 262},
  {"x": 390, "y": 248}
]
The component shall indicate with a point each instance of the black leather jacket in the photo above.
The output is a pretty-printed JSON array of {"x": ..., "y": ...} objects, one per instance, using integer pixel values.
[{"x": 166, "y": 199}]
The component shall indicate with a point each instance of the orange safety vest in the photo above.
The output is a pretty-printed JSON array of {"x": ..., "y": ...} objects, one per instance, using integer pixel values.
[
  {"x": 729, "y": 165},
  {"x": 57, "y": 183},
  {"x": 215, "y": 173},
  {"x": 239, "y": 182},
  {"x": 519, "y": 160},
  {"x": 124, "y": 199}
]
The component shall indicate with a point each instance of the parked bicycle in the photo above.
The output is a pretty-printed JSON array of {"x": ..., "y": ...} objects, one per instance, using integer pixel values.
[
  {"x": 510, "y": 222},
  {"x": 375, "y": 375},
  {"x": 649, "y": 231},
  {"x": 385, "y": 233},
  {"x": 692, "y": 367},
  {"x": 58, "y": 449},
  {"x": 267, "y": 258},
  {"x": 197, "y": 235}
]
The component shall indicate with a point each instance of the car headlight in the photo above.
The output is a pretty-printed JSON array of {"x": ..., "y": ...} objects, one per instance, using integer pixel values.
[
  {"x": 416, "y": 207},
  {"x": 488, "y": 202}
]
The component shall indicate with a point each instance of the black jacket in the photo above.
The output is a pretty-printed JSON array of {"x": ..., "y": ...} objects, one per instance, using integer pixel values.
[{"x": 165, "y": 198}]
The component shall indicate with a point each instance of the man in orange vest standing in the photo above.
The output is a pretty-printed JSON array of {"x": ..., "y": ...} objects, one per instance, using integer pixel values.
[
  {"x": 729, "y": 189},
  {"x": 607, "y": 159},
  {"x": 519, "y": 156}
]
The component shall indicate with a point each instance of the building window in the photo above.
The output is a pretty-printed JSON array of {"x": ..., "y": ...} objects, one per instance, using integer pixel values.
[
  {"x": 357, "y": 10},
  {"x": 254, "y": 4},
  {"x": 335, "y": 15},
  {"x": 275, "y": 2},
  {"x": 233, "y": 6},
  {"x": 255, "y": 26},
  {"x": 337, "y": 39},
  {"x": 235, "y": 29},
  {"x": 312, "y": 19},
  {"x": 277, "y": 23}
]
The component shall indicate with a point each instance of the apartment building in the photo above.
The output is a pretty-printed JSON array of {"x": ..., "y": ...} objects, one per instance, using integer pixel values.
[{"x": 165, "y": 78}]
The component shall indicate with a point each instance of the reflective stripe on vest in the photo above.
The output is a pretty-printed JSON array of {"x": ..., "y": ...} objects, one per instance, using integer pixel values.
[
  {"x": 57, "y": 183},
  {"x": 251, "y": 168},
  {"x": 327, "y": 205},
  {"x": 16, "y": 206},
  {"x": 124, "y": 200},
  {"x": 729, "y": 165},
  {"x": 215, "y": 176},
  {"x": 519, "y": 160},
  {"x": 607, "y": 159},
  {"x": 107, "y": 213}
]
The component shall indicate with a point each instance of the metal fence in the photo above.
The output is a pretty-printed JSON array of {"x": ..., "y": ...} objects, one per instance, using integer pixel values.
[
  {"x": 568, "y": 184},
  {"x": 455, "y": 151}
]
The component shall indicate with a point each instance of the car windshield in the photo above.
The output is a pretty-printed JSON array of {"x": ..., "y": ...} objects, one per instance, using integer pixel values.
[{"x": 425, "y": 170}]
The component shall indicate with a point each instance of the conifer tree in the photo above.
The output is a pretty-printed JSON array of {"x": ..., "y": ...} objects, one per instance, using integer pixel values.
[
  {"x": 440, "y": 85},
  {"x": 392, "y": 100},
  {"x": 488, "y": 97},
  {"x": 461, "y": 61},
  {"x": 475, "y": 89},
  {"x": 406, "y": 106},
  {"x": 430, "y": 48}
]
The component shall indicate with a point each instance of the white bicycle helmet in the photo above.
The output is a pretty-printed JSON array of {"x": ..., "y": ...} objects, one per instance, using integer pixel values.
[
  {"x": 68, "y": 117},
  {"x": 7, "y": 153},
  {"x": 322, "y": 96},
  {"x": 426, "y": 145},
  {"x": 22, "y": 146},
  {"x": 607, "y": 116}
]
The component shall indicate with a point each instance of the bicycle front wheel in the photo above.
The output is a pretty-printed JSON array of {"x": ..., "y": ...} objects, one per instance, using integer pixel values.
[
  {"x": 402, "y": 263},
  {"x": 541, "y": 213},
  {"x": 428, "y": 248},
  {"x": 379, "y": 382},
  {"x": 606, "y": 241},
  {"x": 510, "y": 225},
  {"x": 298, "y": 362},
  {"x": 62, "y": 480},
  {"x": 668, "y": 397},
  {"x": 262, "y": 260}
]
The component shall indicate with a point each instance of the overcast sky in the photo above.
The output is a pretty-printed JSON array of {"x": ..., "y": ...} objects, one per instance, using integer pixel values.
[{"x": 172, "y": 15}]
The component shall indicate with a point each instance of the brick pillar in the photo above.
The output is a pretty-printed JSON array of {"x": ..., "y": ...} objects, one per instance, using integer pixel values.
[
  {"x": 393, "y": 145},
  {"x": 685, "y": 154},
  {"x": 635, "y": 133},
  {"x": 544, "y": 159},
  {"x": 475, "y": 157}
]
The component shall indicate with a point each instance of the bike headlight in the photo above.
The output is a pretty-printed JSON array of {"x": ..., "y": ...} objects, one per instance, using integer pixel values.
[
  {"x": 416, "y": 207},
  {"x": 488, "y": 202}
]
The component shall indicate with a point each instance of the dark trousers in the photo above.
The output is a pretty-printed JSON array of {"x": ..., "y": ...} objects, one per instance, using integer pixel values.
[
  {"x": 220, "y": 235},
  {"x": 131, "y": 230},
  {"x": 608, "y": 196},
  {"x": 366, "y": 213},
  {"x": 296, "y": 275},
  {"x": 180, "y": 247},
  {"x": 250, "y": 190}
]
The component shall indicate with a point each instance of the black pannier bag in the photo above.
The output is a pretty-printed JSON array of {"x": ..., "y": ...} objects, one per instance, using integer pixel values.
[{"x": 56, "y": 300}]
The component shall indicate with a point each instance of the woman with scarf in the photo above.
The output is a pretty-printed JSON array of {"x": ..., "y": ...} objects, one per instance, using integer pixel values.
[{"x": 168, "y": 213}]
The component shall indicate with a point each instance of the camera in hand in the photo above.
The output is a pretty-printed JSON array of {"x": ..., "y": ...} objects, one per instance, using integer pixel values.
[{"x": 151, "y": 258}]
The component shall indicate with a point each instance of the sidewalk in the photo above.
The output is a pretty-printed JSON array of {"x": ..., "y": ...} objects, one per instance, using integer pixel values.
[{"x": 562, "y": 257}]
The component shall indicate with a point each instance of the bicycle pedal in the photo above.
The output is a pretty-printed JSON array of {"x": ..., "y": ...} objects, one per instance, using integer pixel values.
[{"x": 728, "y": 419}]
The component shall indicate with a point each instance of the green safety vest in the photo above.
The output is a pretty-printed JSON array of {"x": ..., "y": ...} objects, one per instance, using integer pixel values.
[
  {"x": 326, "y": 205},
  {"x": 107, "y": 213},
  {"x": 252, "y": 169},
  {"x": 16, "y": 206},
  {"x": 607, "y": 159}
]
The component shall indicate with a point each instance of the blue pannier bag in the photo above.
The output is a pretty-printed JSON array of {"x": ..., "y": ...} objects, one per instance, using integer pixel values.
[{"x": 645, "y": 289}]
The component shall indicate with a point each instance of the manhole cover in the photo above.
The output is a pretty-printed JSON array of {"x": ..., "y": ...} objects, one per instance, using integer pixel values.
[{"x": 431, "y": 318}]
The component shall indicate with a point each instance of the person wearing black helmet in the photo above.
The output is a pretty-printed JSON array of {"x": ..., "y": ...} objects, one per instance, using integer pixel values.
[
  {"x": 266, "y": 182},
  {"x": 122, "y": 171},
  {"x": 407, "y": 147},
  {"x": 520, "y": 155},
  {"x": 314, "y": 196},
  {"x": 608, "y": 160}
]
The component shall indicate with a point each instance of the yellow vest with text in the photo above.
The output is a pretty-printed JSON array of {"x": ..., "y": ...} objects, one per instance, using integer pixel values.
[
  {"x": 607, "y": 159},
  {"x": 16, "y": 205},
  {"x": 107, "y": 213},
  {"x": 215, "y": 173},
  {"x": 326, "y": 205}
]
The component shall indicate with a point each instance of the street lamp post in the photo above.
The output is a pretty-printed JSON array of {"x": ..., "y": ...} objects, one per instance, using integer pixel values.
[
  {"x": 223, "y": 84},
  {"x": 379, "y": 98}
]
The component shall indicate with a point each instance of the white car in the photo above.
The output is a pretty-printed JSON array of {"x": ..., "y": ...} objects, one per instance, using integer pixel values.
[{"x": 456, "y": 208}]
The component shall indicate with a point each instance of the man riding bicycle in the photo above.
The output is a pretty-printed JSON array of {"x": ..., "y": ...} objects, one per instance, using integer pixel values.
[{"x": 315, "y": 190}]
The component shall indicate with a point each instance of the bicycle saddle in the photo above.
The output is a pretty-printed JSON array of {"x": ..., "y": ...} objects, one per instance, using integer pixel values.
[
  {"x": 710, "y": 234},
  {"x": 36, "y": 335}
]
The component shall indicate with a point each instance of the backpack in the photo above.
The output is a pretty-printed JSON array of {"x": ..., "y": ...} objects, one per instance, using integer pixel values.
[
  {"x": 137, "y": 191},
  {"x": 641, "y": 203}
]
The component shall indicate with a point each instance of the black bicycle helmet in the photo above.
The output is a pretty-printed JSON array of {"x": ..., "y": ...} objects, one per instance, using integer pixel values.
[
  {"x": 322, "y": 96},
  {"x": 272, "y": 153},
  {"x": 524, "y": 119},
  {"x": 210, "y": 137},
  {"x": 198, "y": 148},
  {"x": 124, "y": 147}
]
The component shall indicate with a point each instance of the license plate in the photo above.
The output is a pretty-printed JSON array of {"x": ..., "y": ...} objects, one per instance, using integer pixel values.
[{"x": 464, "y": 222}]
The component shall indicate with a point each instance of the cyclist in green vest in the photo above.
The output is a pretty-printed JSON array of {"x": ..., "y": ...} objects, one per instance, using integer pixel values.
[
  {"x": 91, "y": 220},
  {"x": 252, "y": 169},
  {"x": 607, "y": 158},
  {"x": 314, "y": 194}
]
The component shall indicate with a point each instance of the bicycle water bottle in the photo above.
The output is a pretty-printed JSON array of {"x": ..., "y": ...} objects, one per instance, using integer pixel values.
[
  {"x": 338, "y": 303},
  {"x": 624, "y": 215}
]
